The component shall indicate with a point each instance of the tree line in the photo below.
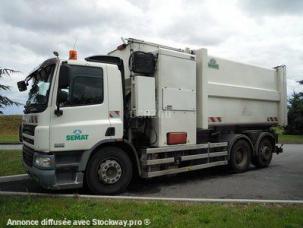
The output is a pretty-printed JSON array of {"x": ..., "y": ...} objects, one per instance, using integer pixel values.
[
  {"x": 295, "y": 113},
  {"x": 4, "y": 100}
]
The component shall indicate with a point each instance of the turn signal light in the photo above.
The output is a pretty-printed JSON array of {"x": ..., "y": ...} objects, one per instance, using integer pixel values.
[{"x": 73, "y": 54}]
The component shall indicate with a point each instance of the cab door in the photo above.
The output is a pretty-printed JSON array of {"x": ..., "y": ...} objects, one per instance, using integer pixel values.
[{"x": 83, "y": 100}]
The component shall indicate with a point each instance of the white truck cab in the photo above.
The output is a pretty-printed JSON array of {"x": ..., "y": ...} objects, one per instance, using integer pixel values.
[{"x": 147, "y": 109}]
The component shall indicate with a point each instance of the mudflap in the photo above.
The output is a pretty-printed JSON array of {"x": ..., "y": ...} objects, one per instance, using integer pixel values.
[{"x": 278, "y": 149}]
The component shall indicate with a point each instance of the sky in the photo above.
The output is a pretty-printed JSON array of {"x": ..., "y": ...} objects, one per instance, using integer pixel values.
[{"x": 265, "y": 33}]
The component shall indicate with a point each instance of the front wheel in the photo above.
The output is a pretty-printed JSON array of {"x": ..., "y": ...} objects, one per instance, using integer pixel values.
[
  {"x": 109, "y": 171},
  {"x": 240, "y": 156}
]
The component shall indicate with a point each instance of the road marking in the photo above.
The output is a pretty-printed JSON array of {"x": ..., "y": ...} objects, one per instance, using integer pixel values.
[
  {"x": 14, "y": 178},
  {"x": 5, "y": 193}
]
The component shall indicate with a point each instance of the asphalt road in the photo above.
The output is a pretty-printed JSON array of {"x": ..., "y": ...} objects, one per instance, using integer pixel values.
[{"x": 282, "y": 180}]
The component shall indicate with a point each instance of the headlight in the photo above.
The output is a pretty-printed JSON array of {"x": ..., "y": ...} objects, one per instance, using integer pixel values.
[{"x": 44, "y": 161}]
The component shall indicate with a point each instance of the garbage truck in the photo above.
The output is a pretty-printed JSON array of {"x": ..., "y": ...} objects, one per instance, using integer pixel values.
[{"x": 147, "y": 110}]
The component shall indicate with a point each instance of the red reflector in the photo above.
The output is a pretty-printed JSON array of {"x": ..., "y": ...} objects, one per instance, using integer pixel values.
[{"x": 176, "y": 138}]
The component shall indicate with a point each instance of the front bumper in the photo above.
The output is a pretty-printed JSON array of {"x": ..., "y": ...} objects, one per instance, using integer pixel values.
[
  {"x": 45, "y": 178},
  {"x": 49, "y": 180},
  {"x": 61, "y": 176}
]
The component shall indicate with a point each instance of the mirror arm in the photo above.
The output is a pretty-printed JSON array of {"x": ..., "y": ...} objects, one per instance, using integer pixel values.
[
  {"x": 27, "y": 79},
  {"x": 58, "y": 112}
]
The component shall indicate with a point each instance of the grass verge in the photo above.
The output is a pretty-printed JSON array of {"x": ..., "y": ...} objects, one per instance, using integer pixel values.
[
  {"x": 10, "y": 162},
  {"x": 291, "y": 139},
  {"x": 9, "y": 128},
  {"x": 9, "y": 138},
  {"x": 161, "y": 214}
]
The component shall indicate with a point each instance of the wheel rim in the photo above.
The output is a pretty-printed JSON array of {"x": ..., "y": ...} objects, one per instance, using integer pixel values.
[
  {"x": 266, "y": 153},
  {"x": 109, "y": 172},
  {"x": 240, "y": 156}
]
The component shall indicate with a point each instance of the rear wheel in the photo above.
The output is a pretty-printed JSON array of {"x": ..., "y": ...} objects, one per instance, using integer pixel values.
[
  {"x": 264, "y": 155},
  {"x": 240, "y": 156},
  {"x": 109, "y": 171}
]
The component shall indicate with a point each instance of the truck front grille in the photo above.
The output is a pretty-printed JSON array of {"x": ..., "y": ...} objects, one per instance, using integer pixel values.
[
  {"x": 28, "y": 155},
  {"x": 28, "y": 133},
  {"x": 28, "y": 129},
  {"x": 28, "y": 140}
]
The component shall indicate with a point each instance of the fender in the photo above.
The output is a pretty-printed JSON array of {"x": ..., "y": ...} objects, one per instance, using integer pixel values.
[
  {"x": 112, "y": 142},
  {"x": 233, "y": 138}
]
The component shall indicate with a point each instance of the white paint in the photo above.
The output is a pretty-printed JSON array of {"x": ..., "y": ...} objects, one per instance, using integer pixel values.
[
  {"x": 92, "y": 120},
  {"x": 239, "y": 93},
  {"x": 144, "y": 96},
  {"x": 193, "y": 200},
  {"x": 115, "y": 99},
  {"x": 178, "y": 99},
  {"x": 175, "y": 70}
]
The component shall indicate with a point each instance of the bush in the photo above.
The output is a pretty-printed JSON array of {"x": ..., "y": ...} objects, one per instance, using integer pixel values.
[{"x": 295, "y": 115}]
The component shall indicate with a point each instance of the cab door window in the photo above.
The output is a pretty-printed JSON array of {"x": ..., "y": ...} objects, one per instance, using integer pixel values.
[{"x": 81, "y": 85}]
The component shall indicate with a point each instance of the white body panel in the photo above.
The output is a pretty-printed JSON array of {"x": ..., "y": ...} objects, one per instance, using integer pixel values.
[
  {"x": 179, "y": 99},
  {"x": 226, "y": 92},
  {"x": 115, "y": 100},
  {"x": 144, "y": 96},
  {"x": 238, "y": 93},
  {"x": 41, "y": 121},
  {"x": 175, "y": 87},
  {"x": 91, "y": 120},
  {"x": 176, "y": 72}
]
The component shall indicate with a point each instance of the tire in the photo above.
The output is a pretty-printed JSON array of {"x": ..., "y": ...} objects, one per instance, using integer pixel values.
[
  {"x": 109, "y": 171},
  {"x": 240, "y": 156},
  {"x": 264, "y": 155}
]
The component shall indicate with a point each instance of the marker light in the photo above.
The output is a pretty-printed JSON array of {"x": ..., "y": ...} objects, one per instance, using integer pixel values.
[
  {"x": 121, "y": 47},
  {"x": 73, "y": 54}
]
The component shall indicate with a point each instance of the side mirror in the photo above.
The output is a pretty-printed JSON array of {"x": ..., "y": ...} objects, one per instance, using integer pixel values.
[
  {"x": 22, "y": 86},
  {"x": 62, "y": 97}
]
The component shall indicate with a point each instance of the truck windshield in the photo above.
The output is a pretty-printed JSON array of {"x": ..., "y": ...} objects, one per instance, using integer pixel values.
[{"x": 39, "y": 92}]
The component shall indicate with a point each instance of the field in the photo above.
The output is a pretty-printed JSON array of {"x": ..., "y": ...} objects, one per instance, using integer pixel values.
[
  {"x": 291, "y": 139},
  {"x": 9, "y": 128},
  {"x": 160, "y": 214},
  {"x": 10, "y": 162}
]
